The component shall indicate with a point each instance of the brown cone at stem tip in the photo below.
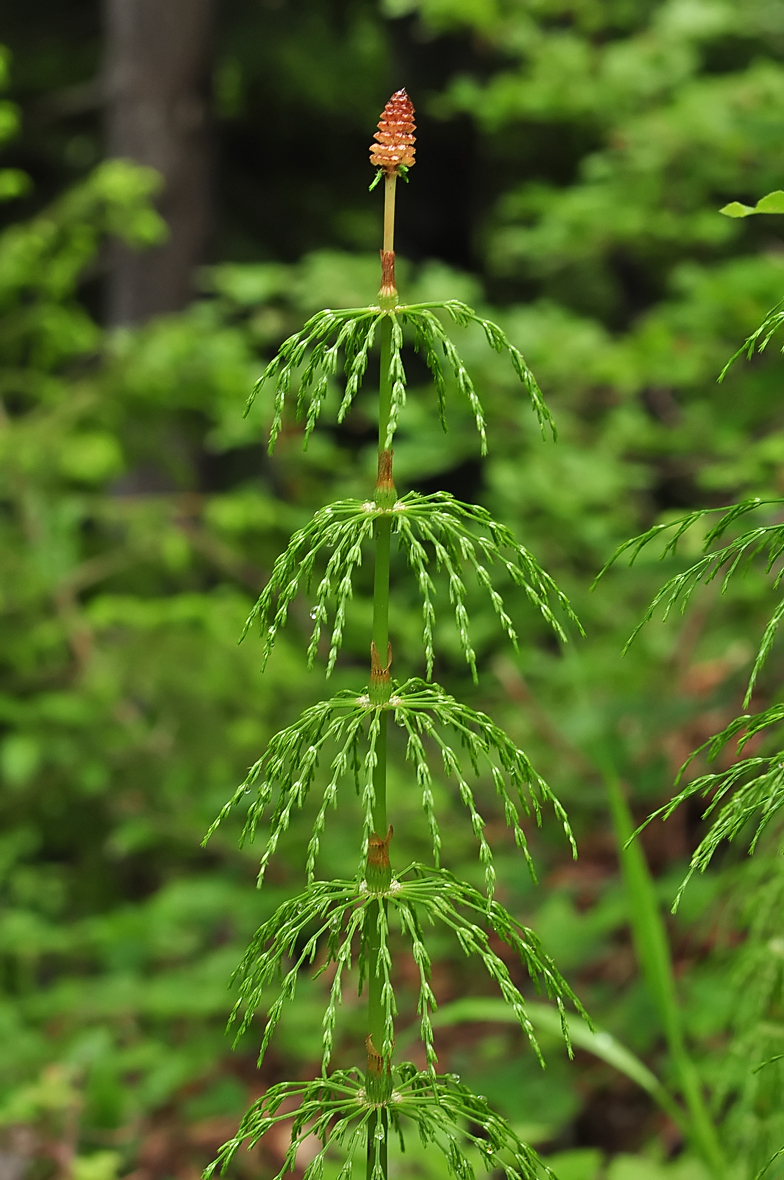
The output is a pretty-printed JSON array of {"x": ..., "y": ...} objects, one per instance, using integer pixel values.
[{"x": 395, "y": 137}]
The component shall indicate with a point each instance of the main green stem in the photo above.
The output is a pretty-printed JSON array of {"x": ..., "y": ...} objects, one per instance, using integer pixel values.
[{"x": 378, "y": 874}]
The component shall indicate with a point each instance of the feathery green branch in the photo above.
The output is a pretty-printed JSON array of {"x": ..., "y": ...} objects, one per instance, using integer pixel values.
[
  {"x": 353, "y": 332},
  {"x": 436, "y": 526},
  {"x": 424, "y": 712},
  {"x": 331, "y": 917},
  {"x": 445, "y": 1114}
]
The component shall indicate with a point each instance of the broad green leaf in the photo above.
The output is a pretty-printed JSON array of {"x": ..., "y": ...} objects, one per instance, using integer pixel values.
[
  {"x": 601, "y": 1044},
  {"x": 447, "y": 13},
  {"x": 20, "y": 757},
  {"x": 772, "y": 203}
]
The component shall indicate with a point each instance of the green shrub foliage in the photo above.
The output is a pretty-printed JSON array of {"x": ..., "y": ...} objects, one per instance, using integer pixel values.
[{"x": 140, "y": 521}]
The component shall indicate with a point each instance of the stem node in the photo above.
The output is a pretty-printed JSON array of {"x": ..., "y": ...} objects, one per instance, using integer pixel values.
[
  {"x": 379, "y": 1074},
  {"x": 378, "y": 860},
  {"x": 380, "y": 681},
  {"x": 387, "y": 295},
  {"x": 386, "y": 493}
]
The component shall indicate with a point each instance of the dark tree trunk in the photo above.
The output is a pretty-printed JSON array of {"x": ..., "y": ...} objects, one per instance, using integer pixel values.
[{"x": 157, "y": 78}]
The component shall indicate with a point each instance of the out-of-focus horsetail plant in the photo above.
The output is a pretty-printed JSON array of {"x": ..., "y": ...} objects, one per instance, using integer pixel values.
[
  {"x": 744, "y": 795},
  {"x": 361, "y": 925}
]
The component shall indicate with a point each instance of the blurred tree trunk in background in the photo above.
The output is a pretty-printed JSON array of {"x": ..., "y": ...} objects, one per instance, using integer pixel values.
[{"x": 157, "y": 70}]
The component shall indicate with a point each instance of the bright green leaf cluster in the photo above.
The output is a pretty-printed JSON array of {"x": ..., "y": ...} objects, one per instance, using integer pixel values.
[{"x": 337, "y": 912}]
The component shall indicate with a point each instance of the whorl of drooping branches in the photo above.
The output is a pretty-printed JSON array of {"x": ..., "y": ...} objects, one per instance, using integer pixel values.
[
  {"x": 395, "y": 137},
  {"x": 338, "y": 1112},
  {"x": 437, "y": 729},
  {"x": 334, "y": 917}
]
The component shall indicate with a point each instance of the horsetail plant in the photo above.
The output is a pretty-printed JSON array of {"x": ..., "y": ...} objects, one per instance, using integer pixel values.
[
  {"x": 751, "y": 790},
  {"x": 743, "y": 799},
  {"x": 349, "y": 925}
]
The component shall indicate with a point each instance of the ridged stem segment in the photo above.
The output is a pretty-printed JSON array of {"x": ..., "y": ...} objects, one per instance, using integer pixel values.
[
  {"x": 378, "y": 874},
  {"x": 390, "y": 180},
  {"x": 394, "y": 147}
]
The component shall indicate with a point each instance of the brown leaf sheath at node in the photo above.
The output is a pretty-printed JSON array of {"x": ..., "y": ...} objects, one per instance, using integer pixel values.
[
  {"x": 379, "y": 1075},
  {"x": 395, "y": 137},
  {"x": 378, "y": 850},
  {"x": 385, "y": 494},
  {"x": 378, "y": 1078},
  {"x": 375, "y": 1060},
  {"x": 388, "y": 284},
  {"x": 384, "y": 481},
  {"x": 379, "y": 674},
  {"x": 378, "y": 871}
]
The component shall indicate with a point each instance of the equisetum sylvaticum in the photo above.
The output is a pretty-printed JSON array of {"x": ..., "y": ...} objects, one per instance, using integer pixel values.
[{"x": 360, "y": 925}]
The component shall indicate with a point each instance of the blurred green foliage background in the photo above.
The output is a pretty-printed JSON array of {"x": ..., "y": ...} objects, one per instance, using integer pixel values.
[{"x": 573, "y": 155}]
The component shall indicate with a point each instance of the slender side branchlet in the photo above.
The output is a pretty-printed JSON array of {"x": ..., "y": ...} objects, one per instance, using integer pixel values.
[
  {"x": 355, "y": 927},
  {"x": 751, "y": 791}
]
